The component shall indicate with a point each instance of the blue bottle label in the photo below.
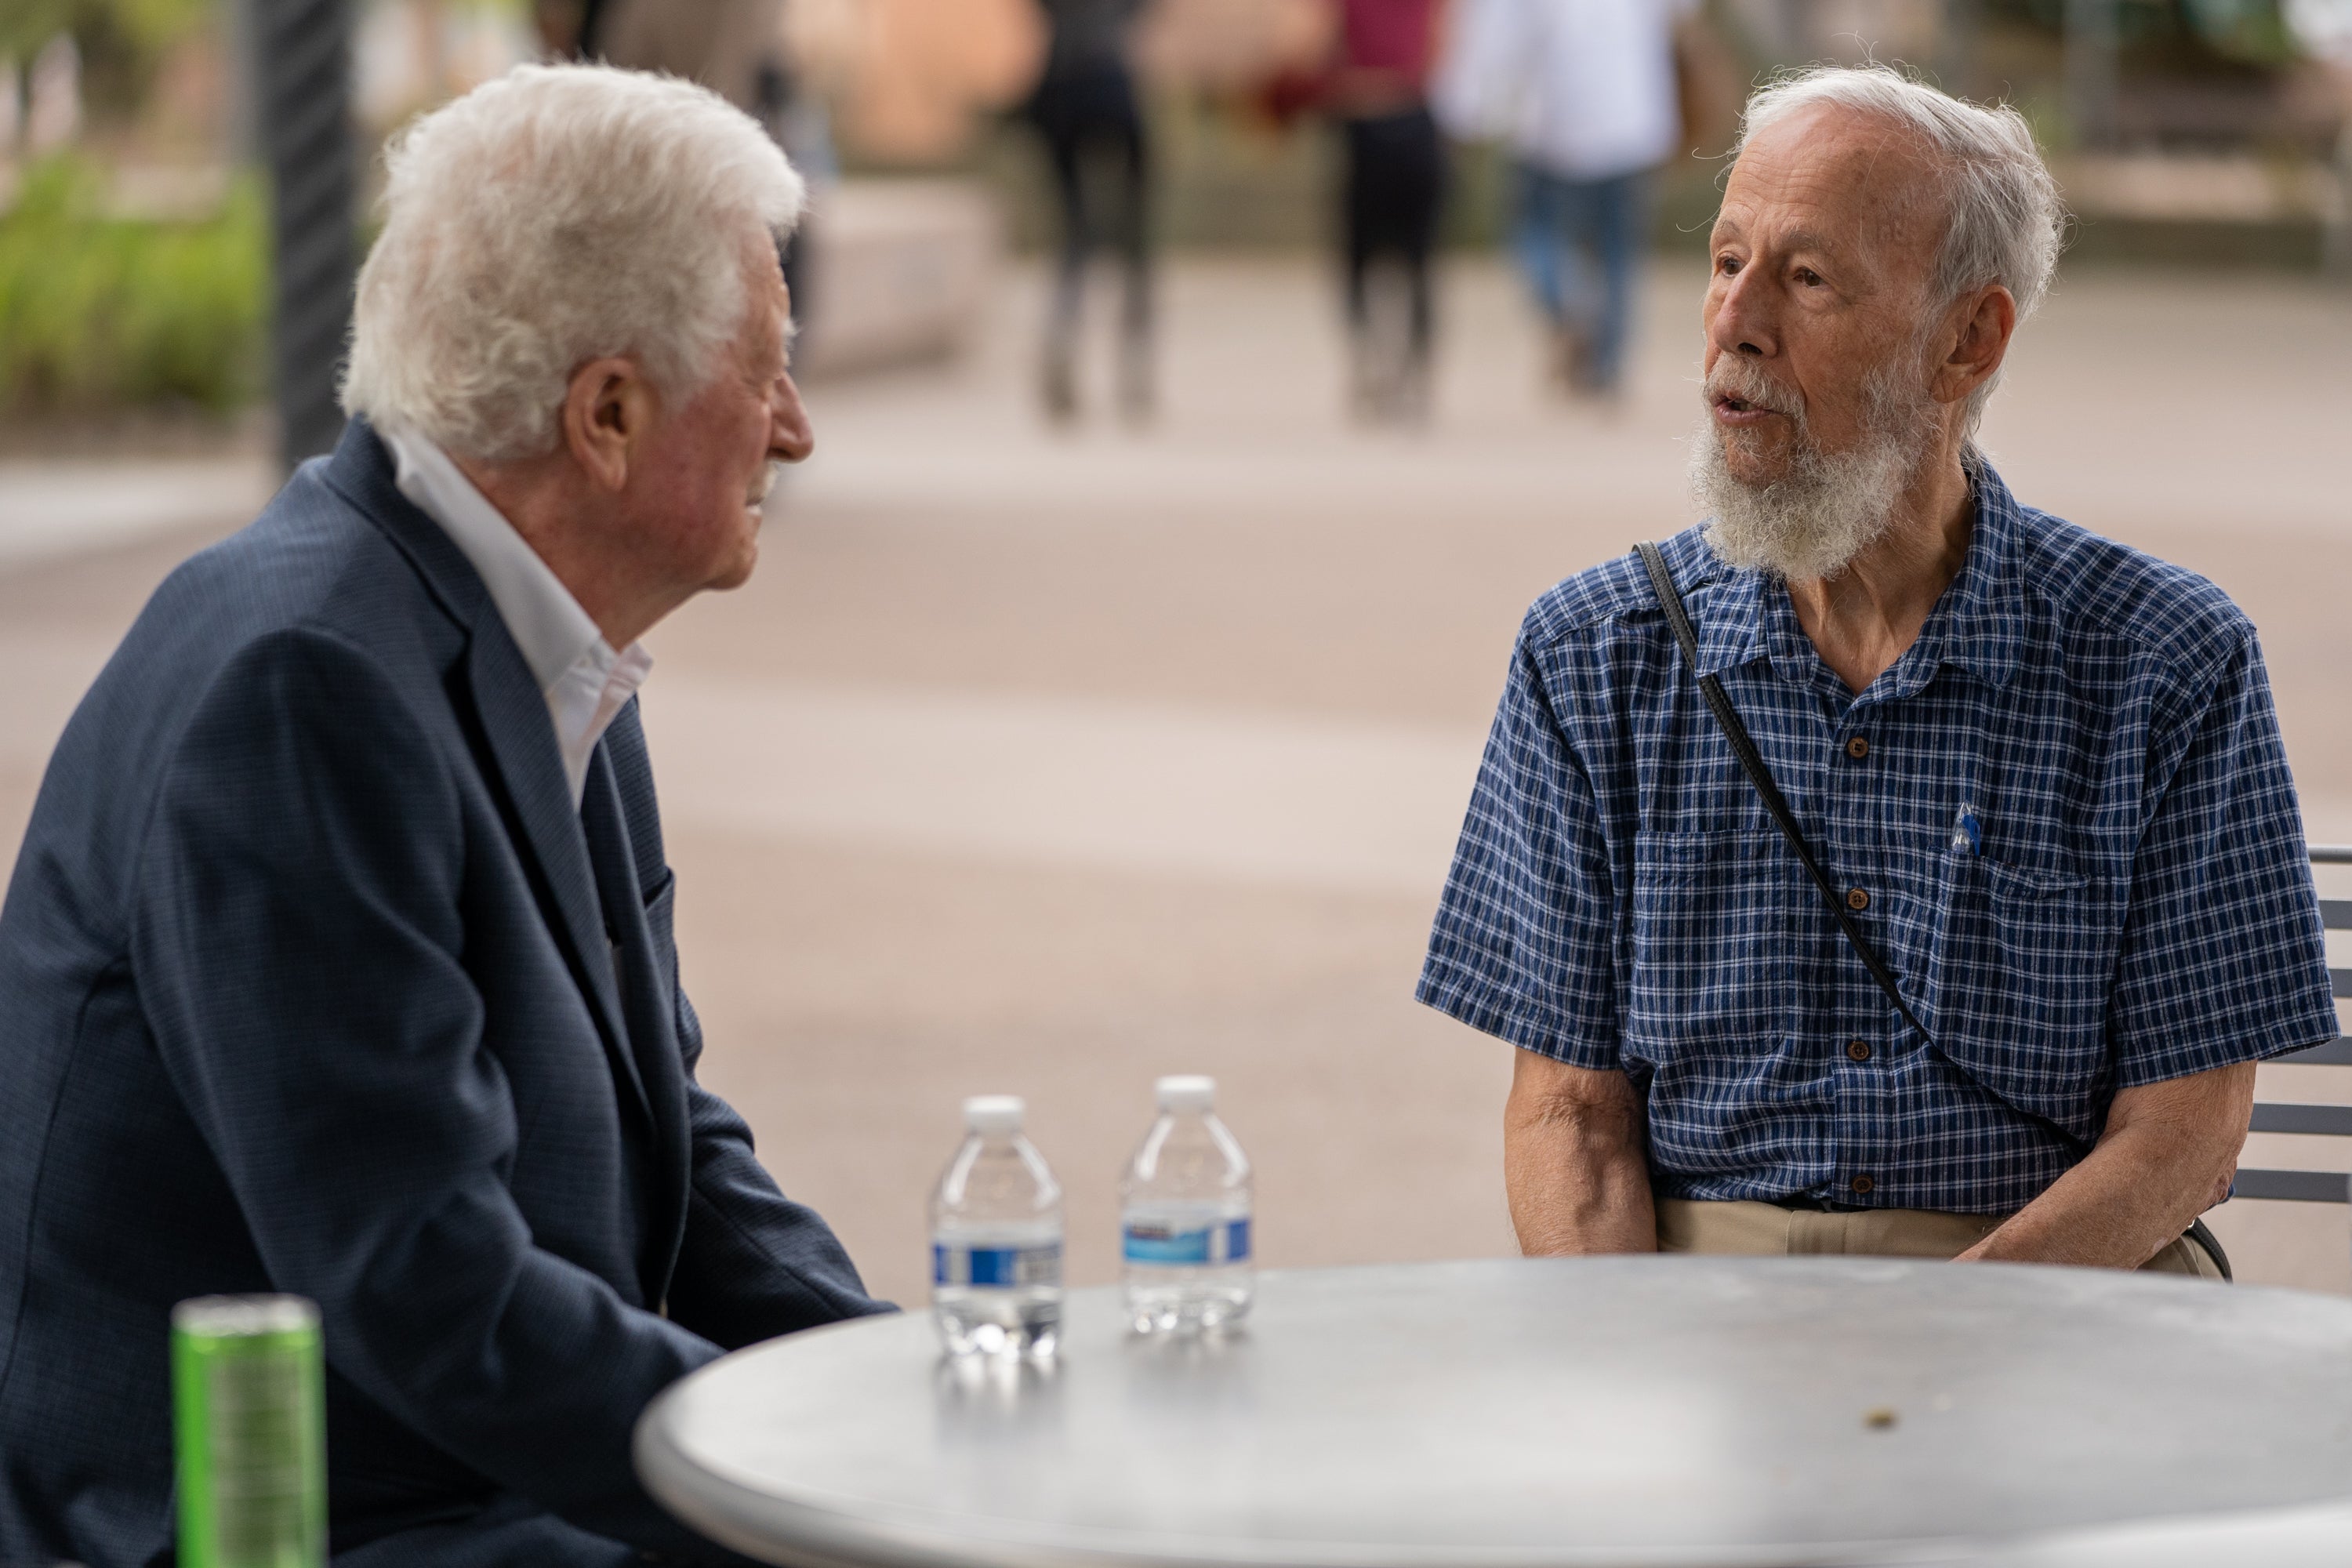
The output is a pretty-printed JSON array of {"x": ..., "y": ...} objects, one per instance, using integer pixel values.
[
  {"x": 996, "y": 1268},
  {"x": 1160, "y": 1242}
]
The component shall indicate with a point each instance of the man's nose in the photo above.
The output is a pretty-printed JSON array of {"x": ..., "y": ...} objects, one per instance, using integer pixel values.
[
  {"x": 1741, "y": 322},
  {"x": 790, "y": 439}
]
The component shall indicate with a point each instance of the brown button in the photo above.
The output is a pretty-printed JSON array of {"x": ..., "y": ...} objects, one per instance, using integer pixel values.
[
  {"x": 1857, "y": 748},
  {"x": 1861, "y": 1184},
  {"x": 1855, "y": 898},
  {"x": 1858, "y": 1049}
]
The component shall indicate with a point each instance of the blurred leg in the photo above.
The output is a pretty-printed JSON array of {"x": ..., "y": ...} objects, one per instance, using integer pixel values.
[
  {"x": 1360, "y": 203},
  {"x": 1536, "y": 223},
  {"x": 1423, "y": 203},
  {"x": 1065, "y": 151},
  {"x": 1621, "y": 215},
  {"x": 1358, "y": 199},
  {"x": 1582, "y": 289},
  {"x": 1131, "y": 158}
]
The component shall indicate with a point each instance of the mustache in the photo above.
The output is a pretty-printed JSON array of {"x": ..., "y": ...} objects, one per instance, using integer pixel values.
[
  {"x": 756, "y": 496},
  {"x": 1737, "y": 378}
]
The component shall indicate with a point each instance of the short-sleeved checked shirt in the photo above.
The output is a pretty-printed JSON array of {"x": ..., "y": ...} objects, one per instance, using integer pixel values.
[{"x": 2067, "y": 807}]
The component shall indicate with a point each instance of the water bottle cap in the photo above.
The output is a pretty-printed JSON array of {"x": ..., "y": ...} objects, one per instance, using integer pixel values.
[
  {"x": 995, "y": 1113},
  {"x": 1186, "y": 1091}
]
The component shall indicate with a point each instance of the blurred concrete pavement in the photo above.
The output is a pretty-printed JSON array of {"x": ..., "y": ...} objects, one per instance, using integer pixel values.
[{"x": 1045, "y": 762}]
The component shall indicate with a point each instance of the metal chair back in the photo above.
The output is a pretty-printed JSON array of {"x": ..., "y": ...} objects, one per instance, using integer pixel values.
[{"x": 2321, "y": 1121}]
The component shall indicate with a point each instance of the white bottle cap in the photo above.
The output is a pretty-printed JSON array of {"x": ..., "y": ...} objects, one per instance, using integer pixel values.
[
  {"x": 1186, "y": 1091},
  {"x": 995, "y": 1115}
]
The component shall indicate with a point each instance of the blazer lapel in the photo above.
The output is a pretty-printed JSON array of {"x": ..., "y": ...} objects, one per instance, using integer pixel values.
[
  {"x": 523, "y": 742},
  {"x": 650, "y": 1012},
  {"x": 514, "y": 731}
]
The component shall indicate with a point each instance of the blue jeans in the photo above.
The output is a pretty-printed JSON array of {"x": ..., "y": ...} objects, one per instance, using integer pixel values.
[{"x": 1580, "y": 243}]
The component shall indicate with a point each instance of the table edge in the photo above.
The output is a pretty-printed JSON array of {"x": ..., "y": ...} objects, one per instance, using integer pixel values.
[
  {"x": 806, "y": 1534},
  {"x": 799, "y": 1534}
]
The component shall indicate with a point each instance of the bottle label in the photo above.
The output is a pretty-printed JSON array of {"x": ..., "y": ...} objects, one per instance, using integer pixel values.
[
  {"x": 996, "y": 1268},
  {"x": 1166, "y": 1243}
]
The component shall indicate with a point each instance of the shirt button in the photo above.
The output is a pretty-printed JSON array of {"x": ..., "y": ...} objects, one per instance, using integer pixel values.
[
  {"x": 1857, "y": 748},
  {"x": 1855, "y": 898},
  {"x": 1861, "y": 1185},
  {"x": 1859, "y": 1050}
]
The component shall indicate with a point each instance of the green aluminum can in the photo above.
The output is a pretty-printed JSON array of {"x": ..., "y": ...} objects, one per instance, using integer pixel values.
[{"x": 250, "y": 1432}]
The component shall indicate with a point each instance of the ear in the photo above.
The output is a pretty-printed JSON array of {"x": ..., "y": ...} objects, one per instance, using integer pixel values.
[
  {"x": 1979, "y": 328},
  {"x": 608, "y": 410}
]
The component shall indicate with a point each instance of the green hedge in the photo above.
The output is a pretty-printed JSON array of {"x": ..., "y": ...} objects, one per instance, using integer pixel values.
[{"x": 99, "y": 312}]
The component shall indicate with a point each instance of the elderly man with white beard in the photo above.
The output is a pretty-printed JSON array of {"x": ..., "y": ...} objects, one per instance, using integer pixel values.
[{"x": 1884, "y": 866}]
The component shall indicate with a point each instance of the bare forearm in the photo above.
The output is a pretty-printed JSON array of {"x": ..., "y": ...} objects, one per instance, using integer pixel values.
[
  {"x": 2165, "y": 1157},
  {"x": 2116, "y": 1210},
  {"x": 1573, "y": 1162},
  {"x": 1571, "y": 1195}
]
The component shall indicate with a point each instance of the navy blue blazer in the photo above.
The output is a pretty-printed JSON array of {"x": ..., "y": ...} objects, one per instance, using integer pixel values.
[{"x": 312, "y": 980}]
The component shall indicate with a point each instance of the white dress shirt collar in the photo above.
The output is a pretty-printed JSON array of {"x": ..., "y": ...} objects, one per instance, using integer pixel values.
[{"x": 585, "y": 683}]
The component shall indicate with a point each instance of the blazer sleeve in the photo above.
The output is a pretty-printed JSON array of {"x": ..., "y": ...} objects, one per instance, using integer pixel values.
[
  {"x": 296, "y": 943},
  {"x": 754, "y": 1264}
]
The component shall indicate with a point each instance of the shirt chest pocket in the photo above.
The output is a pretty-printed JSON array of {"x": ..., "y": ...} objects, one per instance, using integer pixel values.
[
  {"x": 2029, "y": 954},
  {"x": 1713, "y": 970}
]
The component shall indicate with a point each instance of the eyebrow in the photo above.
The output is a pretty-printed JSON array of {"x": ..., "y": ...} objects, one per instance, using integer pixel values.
[{"x": 1797, "y": 239}]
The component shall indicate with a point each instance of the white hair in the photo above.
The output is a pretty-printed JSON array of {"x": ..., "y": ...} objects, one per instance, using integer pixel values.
[
  {"x": 2005, "y": 223},
  {"x": 556, "y": 215}
]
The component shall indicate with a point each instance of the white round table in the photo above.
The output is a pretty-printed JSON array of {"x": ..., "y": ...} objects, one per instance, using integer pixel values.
[{"x": 1512, "y": 1414}]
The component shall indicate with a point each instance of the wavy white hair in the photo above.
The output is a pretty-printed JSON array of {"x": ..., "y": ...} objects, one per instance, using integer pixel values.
[
  {"x": 555, "y": 216},
  {"x": 2006, "y": 222}
]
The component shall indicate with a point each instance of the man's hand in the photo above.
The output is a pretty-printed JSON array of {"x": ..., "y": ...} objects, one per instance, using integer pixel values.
[
  {"x": 1573, "y": 1161},
  {"x": 2167, "y": 1156}
]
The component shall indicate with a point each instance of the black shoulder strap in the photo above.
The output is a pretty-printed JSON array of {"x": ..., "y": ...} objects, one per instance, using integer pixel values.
[{"x": 1751, "y": 761}]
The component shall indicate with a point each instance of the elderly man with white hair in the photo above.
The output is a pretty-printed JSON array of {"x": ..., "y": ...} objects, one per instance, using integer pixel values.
[
  {"x": 1884, "y": 866},
  {"x": 337, "y": 960}
]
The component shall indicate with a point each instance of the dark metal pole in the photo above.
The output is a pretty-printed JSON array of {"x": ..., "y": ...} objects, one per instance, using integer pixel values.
[
  {"x": 1956, "y": 56},
  {"x": 302, "y": 74},
  {"x": 2092, "y": 70}
]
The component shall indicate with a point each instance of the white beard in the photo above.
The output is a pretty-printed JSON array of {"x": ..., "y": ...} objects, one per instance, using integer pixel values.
[{"x": 1828, "y": 507}]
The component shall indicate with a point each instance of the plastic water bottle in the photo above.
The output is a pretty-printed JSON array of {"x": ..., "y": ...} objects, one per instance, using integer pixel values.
[
  {"x": 996, "y": 1238},
  {"x": 1184, "y": 1216}
]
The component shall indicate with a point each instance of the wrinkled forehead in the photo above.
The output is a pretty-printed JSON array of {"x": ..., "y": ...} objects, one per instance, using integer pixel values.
[{"x": 1832, "y": 178}]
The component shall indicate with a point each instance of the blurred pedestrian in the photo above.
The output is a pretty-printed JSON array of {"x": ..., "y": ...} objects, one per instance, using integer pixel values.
[
  {"x": 1085, "y": 109},
  {"x": 1393, "y": 192},
  {"x": 736, "y": 48},
  {"x": 1584, "y": 91}
]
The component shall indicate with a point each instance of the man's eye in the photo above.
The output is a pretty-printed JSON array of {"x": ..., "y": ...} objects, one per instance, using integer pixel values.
[
  {"x": 1726, "y": 265},
  {"x": 1809, "y": 277}
]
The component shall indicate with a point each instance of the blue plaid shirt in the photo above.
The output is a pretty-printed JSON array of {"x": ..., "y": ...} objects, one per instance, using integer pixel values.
[{"x": 2067, "y": 807}]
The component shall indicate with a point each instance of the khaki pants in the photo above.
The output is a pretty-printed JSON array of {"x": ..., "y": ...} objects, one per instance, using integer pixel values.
[{"x": 1767, "y": 1230}]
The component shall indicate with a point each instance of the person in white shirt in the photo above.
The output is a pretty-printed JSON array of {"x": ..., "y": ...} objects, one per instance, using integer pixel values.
[{"x": 1584, "y": 93}]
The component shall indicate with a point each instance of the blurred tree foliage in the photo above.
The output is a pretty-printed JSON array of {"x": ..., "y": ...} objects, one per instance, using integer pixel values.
[
  {"x": 2220, "y": 32},
  {"x": 121, "y": 41},
  {"x": 98, "y": 312}
]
